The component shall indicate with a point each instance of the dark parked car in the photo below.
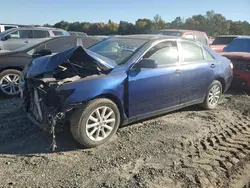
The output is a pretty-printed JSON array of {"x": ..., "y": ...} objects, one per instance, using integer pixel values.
[
  {"x": 122, "y": 80},
  {"x": 238, "y": 52},
  {"x": 221, "y": 42},
  {"x": 189, "y": 34},
  {"x": 13, "y": 62}
]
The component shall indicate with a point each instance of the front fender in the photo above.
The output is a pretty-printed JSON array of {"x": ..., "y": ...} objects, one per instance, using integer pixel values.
[{"x": 93, "y": 86}]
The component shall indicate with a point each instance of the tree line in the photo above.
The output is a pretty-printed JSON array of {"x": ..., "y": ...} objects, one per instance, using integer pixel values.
[{"x": 212, "y": 23}]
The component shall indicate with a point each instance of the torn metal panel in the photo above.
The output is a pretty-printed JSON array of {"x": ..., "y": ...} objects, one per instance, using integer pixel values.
[{"x": 77, "y": 56}]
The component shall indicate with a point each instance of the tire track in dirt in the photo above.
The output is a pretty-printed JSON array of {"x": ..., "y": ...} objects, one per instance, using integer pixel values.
[{"x": 219, "y": 154}]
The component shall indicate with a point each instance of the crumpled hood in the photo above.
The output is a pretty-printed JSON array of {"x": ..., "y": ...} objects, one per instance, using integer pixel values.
[{"x": 77, "y": 54}]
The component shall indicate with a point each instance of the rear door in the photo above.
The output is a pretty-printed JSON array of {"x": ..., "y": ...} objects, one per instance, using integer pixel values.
[
  {"x": 198, "y": 68},
  {"x": 17, "y": 39}
]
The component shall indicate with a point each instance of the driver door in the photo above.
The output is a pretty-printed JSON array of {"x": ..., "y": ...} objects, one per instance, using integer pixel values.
[{"x": 155, "y": 89}]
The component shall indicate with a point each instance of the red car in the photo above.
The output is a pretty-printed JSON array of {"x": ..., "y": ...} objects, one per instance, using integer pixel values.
[
  {"x": 221, "y": 42},
  {"x": 238, "y": 52},
  {"x": 190, "y": 34}
]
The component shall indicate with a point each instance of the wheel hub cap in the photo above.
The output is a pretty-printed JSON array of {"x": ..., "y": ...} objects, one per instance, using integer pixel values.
[
  {"x": 100, "y": 123},
  {"x": 214, "y": 95},
  {"x": 10, "y": 84}
]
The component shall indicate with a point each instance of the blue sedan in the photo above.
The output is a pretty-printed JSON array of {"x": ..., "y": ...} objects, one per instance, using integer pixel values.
[{"x": 121, "y": 80}]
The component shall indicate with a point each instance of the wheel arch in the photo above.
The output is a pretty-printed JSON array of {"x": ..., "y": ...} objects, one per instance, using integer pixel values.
[
  {"x": 117, "y": 101},
  {"x": 11, "y": 67},
  {"x": 223, "y": 83}
]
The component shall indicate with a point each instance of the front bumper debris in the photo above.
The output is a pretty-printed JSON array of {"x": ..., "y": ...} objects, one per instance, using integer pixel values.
[{"x": 45, "y": 117}]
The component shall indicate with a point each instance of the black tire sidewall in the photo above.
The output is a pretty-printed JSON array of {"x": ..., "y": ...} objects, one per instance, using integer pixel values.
[
  {"x": 4, "y": 73},
  {"x": 83, "y": 135}
]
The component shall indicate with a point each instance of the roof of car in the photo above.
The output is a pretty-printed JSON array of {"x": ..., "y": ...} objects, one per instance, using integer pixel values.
[
  {"x": 181, "y": 30},
  {"x": 35, "y": 28},
  {"x": 244, "y": 37},
  {"x": 41, "y": 28},
  {"x": 228, "y": 36},
  {"x": 148, "y": 36}
]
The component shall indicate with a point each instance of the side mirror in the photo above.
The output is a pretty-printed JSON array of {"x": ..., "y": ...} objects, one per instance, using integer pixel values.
[
  {"x": 147, "y": 63},
  {"x": 6, "y": 37},
  {"x": 41, "y": 53}
]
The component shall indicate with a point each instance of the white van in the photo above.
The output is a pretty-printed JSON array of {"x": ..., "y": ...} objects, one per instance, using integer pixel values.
[{"x": 6, "y": 27}]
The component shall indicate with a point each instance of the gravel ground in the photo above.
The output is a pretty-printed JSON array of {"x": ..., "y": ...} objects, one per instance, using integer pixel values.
[{"x": 186, "y": 148}]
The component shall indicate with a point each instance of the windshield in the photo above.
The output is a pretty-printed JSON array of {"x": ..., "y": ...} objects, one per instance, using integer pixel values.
[
  {"x": 238, "y": 45},
  {"x": 171, "y": 33},
  {"x": 118, "y": 49},
  {"x": 223, "y": 40}
]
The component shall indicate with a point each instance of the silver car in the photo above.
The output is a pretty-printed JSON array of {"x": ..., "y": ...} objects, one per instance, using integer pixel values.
[{"x": 18, "y": 37}]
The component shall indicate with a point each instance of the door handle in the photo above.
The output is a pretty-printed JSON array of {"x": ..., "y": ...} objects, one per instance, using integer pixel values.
[
  {"x": 212, "y": 66},
  {"x": 27, "y": 41}
]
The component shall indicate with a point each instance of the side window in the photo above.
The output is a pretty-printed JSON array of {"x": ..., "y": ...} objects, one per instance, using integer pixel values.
[
  {"x": 191, "y": 52},
  {"x": 15, "y": 34},
  {"x": 201, "y": 38},
  {"x": 61, "y": 45},
  {"x": 24, "y": 34},
  {"x": 165, "y": 53},
  {"x": 8, "y": 27},
  {"x": 248, "y": 67},
  {"x": 207, "y": 55},
  {"x": 40, "y": 33},
  {"x": 58, "y": 33},
  {"x": 189, "y": 36}
]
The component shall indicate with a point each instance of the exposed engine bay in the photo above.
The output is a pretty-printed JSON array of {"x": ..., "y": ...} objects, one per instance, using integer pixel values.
[{"x": 43, "y": 102}]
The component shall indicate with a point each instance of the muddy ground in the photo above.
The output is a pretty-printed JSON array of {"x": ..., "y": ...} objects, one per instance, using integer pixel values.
[{"x": 186, "y": 148}]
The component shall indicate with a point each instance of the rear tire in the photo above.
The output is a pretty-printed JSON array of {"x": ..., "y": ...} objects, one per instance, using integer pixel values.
[
  {"x": 9, "y": 82},
  {"x": 90, "y": 129},
  {"x": 213, "y": 96}
]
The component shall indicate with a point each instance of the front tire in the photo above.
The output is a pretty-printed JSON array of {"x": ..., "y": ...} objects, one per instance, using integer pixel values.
[
  {"x": 95, "y": 123},
  {"x": 213, "y": 96},
  {"x": 9, "y": 82}
]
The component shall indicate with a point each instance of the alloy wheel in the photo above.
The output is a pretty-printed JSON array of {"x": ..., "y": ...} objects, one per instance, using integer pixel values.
[
  {"x": 214, "y": 95},
  {"x": 100, "y": 123},
  {"x": 10, "y": 84}
]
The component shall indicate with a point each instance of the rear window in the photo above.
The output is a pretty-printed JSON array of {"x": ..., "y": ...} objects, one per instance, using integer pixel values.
[
  {"x": 238, "y": 45},
  {"x": 58, "y": 33},
  {"x": 40, "y": 33},
  {"x": 82, "y": 34},
  {"x": 89, "y": 41},
  {"x": 73, "y": 34},
  {"x": 8, "y": 27},
  {"x": 223, "y": 40},
  {"x": 171, "y": 33},
  {"x": 61, "y": 44}
]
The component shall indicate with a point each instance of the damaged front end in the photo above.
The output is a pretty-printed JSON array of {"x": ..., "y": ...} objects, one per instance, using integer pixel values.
[{"x": 44, "y": 101}]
